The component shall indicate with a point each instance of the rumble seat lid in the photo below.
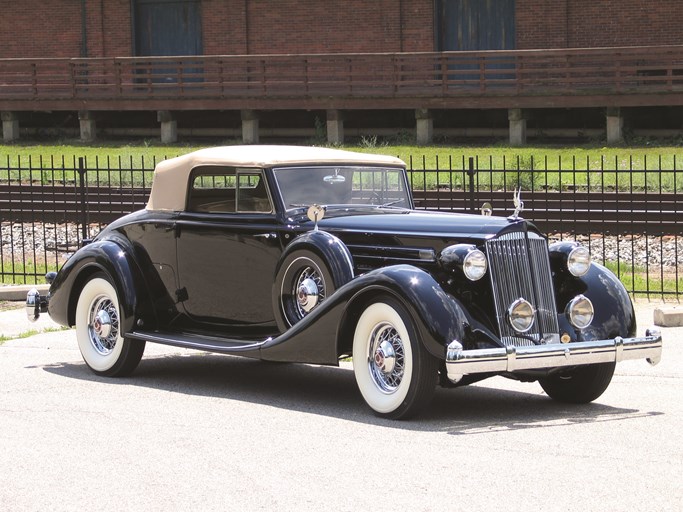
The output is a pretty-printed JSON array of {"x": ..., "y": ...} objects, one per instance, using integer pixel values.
[{"x": 169, "y": 188}]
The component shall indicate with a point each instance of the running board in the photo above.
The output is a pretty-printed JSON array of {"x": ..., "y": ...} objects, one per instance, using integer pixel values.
[{"x": 198, "y": 342}]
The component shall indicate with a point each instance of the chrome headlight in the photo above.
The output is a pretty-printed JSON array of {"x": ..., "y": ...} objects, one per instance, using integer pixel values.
[
  {"x": 580, "y": 311},
  {"x": 579, "y": 261},
  {"x": 571, "y": 256},
  {"x": 474, "y": 266},
  {"x": 465, "y": 258},
  {"x": 521, "y": 315}
]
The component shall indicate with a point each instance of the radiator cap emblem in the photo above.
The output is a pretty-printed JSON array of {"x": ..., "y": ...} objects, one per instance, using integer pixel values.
[{"x": 519, "y": 204}]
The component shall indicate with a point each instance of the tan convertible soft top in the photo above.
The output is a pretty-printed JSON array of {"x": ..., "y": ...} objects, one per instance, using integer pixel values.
[{"x": 171, "y": 177}]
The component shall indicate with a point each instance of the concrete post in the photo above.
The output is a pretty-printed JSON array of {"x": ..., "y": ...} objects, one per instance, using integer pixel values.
[
  {"x": 517, "y": 128},
  {"x": 88, "y": 125},
  {"x": 335, "y": 127},
  {"x": 615, "y": 126},
  {"x": 424, "y": 126},
  {"x": 10, "y": 126},
  {"x": 169, "y": 127},
  {"x": 250, "y": 128}
]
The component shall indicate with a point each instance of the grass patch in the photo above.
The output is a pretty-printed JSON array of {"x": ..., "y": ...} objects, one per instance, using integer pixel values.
[
  {"x": 31, "y": 332},
  {"x": 12, "y": 272},
  {"x": 644, "y": 283},
  {"x": 633, "y": 168}
]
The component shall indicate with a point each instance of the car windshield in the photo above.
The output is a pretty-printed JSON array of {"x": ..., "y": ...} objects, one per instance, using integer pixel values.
[{"x": 304, "y": 186}]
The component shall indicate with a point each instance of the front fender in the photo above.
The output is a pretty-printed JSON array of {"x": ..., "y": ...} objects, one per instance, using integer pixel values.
[
  {"x": 106, "y": 256},
  {"x": 438, "y": 317},
  {"x": 327, "y": 332},
  {"x": 614, "y": 312}
]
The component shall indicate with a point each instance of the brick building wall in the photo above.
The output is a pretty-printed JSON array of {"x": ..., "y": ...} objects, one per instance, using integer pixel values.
[
  {"x": 298, "y": 26},
  {"x": 28, "y": 29},
  {"x": 591, "y": 24},
  {"x": 33, "y": 29},
  {"x": 115, "y": 28}
]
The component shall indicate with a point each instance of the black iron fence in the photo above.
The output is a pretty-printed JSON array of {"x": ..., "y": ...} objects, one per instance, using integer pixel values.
[{"x": 631, "y": 219}]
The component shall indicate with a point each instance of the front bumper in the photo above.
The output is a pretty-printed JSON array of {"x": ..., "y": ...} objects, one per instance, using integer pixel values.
[{"x": 460, "y": 362}]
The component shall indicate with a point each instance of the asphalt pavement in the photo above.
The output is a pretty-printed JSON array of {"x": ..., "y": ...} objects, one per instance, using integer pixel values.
[{"x": 195, "y": 431}]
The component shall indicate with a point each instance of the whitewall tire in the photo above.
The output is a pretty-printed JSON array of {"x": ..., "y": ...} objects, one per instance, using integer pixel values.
[
  {"x": 98, "y": 330},
  {"x": 394, "y": 372}
]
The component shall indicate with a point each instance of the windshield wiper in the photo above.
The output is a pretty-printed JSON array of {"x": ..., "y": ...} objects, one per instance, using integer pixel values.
[{"x": 390, "y": 203}]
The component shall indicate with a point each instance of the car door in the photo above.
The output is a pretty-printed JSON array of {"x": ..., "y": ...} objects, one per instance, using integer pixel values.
[{"x": 227, "y": 250}]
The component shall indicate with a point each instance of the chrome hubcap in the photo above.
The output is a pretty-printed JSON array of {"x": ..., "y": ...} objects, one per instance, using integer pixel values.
[
  {"x": 308, "y": 294},
  {"x": 309, "y": 290},
  {"x": 103, "y": 325},
  {"x": 386, "y": 357}
]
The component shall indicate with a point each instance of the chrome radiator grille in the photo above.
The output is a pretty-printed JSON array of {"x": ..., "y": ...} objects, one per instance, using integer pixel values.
[{"x": 514, "y": 268}]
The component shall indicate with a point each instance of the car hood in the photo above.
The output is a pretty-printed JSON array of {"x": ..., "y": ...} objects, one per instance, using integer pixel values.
[{"x": 413, "y": 223}]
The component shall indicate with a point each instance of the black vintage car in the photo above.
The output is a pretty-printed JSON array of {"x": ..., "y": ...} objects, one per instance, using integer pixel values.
[{"x": 313, "y": 255}]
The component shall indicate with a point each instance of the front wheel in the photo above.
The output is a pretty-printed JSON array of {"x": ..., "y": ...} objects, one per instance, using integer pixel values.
[
  {"x": 394, "y": 373},
  {"x": 98, "y": 331},
  {"x": 581, "y": 385}
]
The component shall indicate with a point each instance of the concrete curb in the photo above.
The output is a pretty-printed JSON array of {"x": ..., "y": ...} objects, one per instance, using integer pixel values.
[
  {"x": 18, "y": 292},
  {"x": 670, "y": 316}
]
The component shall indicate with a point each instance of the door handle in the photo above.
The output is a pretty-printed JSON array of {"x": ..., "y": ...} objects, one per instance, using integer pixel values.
[{"x": 267, "y": 236}]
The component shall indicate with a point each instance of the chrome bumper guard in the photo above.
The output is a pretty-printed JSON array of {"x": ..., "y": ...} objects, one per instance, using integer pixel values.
[
  {"x": 35, "y": 304},
  {"x": 460, "y": 362}
]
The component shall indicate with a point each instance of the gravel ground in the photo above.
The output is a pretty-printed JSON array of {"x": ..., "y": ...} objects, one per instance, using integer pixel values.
[
  {"x": 652, "y": 252},
  {"x": 56, "y": 241}
]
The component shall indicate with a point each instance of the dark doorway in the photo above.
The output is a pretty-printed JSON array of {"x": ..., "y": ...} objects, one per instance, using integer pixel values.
[
  {"x": 476, "y": 25},
  {"x": 167, "y": 27},
  {"x": 471, "y": 25}
]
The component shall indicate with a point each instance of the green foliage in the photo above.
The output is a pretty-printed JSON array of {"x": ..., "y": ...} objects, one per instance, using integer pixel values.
[
  {"x": 320, "y": 136},
  {"x": 17, "y": 272},
  {"x": 31, "y": 332},
  {"x": 646, "y": 283},
  {"x": 579, "y": 168}
]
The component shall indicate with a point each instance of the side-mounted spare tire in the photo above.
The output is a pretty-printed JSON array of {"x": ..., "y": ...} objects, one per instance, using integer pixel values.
[{"x": 312, "y": 267}]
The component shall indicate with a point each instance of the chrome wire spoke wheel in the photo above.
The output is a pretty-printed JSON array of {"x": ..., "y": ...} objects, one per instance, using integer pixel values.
[
  {"x": 386, "y": 357},
  {"x": 103, "y": 325}
]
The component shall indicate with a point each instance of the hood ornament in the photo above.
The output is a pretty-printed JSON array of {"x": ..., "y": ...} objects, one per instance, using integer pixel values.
[{"x": 519, "y": 204}]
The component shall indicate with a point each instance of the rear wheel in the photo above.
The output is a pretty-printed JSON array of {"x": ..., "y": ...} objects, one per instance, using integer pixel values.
[
  {"x": 581, "y": 385},
  {"x": 394, "y": 372},
  {"x": 98, "y": 331}
]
